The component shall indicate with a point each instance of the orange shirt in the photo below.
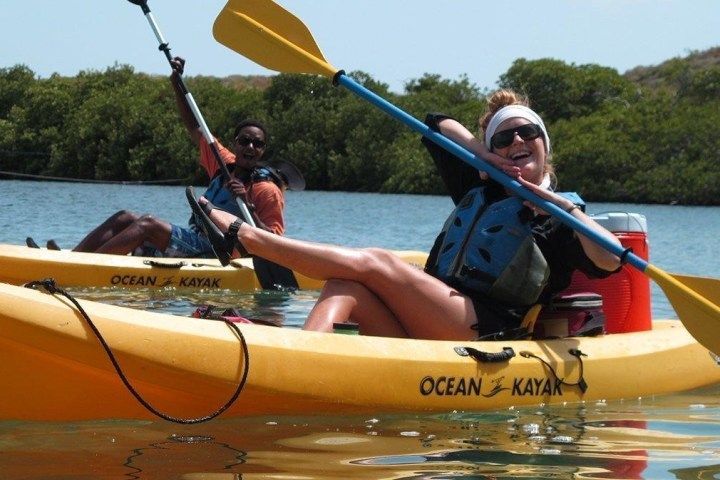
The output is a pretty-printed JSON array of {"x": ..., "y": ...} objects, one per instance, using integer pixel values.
[
  {"x": 207, "y": 158},
  {"x": 266, "y": 196},
  {"x": 269, "y": 203}
]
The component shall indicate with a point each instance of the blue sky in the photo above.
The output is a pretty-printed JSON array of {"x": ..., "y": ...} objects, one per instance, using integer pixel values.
[{"x": 393, "y": 40}]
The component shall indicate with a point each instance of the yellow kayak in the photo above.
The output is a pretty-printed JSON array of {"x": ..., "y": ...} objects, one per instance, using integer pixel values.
[
  {"x": 20, "y": 264},
  {"x": 52, "y": 366}
]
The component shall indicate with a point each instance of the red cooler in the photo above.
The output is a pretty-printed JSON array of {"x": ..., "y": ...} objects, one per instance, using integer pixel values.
[{"x": 626, "y": 294}]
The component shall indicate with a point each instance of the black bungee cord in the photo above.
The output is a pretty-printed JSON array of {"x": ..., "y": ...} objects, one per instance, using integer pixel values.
[{"x": 51, "y": 287}]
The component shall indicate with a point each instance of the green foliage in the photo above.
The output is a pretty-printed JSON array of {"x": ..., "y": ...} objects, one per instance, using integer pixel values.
[
  {"x": 701, "y": 85},
  {"x": 458, "y": 98},
  {"x": 411, "y": 169},
  {"x": 304, "y": 126},
  {"x": 648, "y": 136},
  {"x": 660, "y": 149},
  {"x": 560, "y": 91},
  {"x": 14, "y": 82}
]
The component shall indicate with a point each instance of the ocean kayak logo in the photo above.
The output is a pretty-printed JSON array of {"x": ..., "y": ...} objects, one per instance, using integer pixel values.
[
  {"x": 171, "y": 281},
  {"x": 479, "y": 387}
]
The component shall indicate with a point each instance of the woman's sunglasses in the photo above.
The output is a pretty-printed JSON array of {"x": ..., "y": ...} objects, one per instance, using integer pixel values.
[
  {"x": 505, "y": 138},
  {"x": 244, "y": 141}
]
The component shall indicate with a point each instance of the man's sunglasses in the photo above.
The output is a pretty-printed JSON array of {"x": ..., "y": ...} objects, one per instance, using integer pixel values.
[
  {"x": 245, "y": 141},
  {"x": 505, "y": 138}
]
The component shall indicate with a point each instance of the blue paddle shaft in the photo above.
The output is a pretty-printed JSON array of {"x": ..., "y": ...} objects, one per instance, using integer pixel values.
[{"x": 497, "y": 175}]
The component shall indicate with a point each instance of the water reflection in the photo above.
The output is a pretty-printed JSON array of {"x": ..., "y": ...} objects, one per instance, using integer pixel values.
[
  {"x": 545, "y": 444},
  {"x": 711, "y": 472},
  {"x": 154, "y": 460},
  {"x": 667, "y": 437}
]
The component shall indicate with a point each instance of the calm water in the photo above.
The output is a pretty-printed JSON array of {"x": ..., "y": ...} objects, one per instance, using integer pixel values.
[{"x": 676, "y": 436}]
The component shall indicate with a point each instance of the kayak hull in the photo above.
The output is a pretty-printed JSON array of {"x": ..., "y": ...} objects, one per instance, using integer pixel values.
[
  {"x": 21, "y": 264},
  {"x": 53, "y": 368}
]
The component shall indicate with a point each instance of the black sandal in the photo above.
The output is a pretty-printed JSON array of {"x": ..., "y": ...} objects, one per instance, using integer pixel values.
[
  {"x": 31, "y": 243},
  {"x": 222, "y": 243}
]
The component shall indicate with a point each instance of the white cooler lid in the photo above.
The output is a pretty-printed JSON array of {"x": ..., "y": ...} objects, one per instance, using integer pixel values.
[{"x": 622, "y": 221}]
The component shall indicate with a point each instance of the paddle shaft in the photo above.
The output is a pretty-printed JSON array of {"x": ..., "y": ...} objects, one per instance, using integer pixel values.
[
  {"x": 477, "y": 162},
  {"x": 165, "y": 48}
]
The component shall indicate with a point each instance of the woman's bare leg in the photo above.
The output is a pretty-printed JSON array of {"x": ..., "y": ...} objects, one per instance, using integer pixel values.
[
  {"x": 345, "y": 300},
  {"x": 423, "y": 305}
]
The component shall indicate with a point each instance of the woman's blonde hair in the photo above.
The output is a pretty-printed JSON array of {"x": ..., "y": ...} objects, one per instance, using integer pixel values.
[{"x": 503, "y": 98}]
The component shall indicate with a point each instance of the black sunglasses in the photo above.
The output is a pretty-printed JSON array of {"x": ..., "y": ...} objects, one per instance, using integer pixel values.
[
  {"x": 505, "y": 138},
  {"x": 244, "y": 141}
]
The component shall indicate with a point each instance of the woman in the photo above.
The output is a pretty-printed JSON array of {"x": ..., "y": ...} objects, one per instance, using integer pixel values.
[{"x": 388, "y": 297}]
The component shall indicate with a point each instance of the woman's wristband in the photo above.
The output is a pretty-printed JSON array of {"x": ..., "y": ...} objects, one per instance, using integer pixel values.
[{"x": 573, "y": 207}]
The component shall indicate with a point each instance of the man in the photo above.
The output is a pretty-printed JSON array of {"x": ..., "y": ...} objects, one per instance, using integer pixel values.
[{"x": 259, "y": 185}]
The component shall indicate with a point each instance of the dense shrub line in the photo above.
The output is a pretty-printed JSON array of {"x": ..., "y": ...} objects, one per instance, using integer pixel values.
[{"x": 613, "y": 139}]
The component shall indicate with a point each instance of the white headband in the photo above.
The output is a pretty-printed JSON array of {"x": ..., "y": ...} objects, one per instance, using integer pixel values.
[{"x": 515, "y": 111}]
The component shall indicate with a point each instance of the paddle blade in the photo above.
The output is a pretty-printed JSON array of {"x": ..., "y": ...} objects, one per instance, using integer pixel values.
[
  {"x": 269, "y": 35},
  {"x": 696, "y": 301},
  {"x": 703, "y": 325},
  {"x": 273, "y": 276},
  {"x": 705, "y": 286}
]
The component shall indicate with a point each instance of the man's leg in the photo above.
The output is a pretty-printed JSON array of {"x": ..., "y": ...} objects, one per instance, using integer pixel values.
[
  {"x": 106, "y": 230},
  {"x": 144, "y": 229}
]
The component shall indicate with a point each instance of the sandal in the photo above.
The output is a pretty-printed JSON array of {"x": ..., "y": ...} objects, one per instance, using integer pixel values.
[
  {"x": 31, "y": 243},
  {"x": 222, "y": 243}
]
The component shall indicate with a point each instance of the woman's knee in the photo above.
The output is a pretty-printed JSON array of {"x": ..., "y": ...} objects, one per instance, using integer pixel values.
[{"x": 378, "y": 261}]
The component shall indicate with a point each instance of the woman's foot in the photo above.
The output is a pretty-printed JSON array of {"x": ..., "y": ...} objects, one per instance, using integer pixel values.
[
  {"x": 223, "y": 244},
  {"x": 219, "y": 217}
]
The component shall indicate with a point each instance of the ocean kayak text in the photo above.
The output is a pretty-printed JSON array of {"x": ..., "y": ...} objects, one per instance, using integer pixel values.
[
  {"x": 467, "y": 386},
  {"x": 154, "y": 281}
]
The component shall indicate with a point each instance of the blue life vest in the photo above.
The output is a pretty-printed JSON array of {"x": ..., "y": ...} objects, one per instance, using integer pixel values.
[
  {"x": 266, "y": 174},
  {"x": 488, "y": 247},
  {"x": 223, "y": 199}
]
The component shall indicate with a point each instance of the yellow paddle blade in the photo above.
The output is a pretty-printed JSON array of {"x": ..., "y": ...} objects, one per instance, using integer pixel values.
[
  {"x": 705, "y": 330},
  {"x": 699, "y": 314},
  {"x": 269, "y": 35},
  {"x": 705, "y": 286}
]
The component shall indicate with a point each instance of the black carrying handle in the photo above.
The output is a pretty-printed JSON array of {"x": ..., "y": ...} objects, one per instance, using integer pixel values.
[
  {"x": 155, "y": 263},
  {"x": 486, "y": 357}
]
